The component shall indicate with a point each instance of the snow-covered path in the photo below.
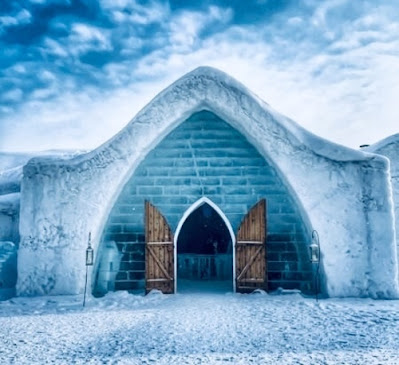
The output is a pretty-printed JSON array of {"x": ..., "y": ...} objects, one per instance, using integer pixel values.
[{"x": 199, "y": 329}]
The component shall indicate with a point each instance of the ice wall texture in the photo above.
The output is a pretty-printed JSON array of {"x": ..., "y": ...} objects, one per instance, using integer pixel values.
[
  {"x": 10, "y": 181},
  {"x": 11, "y": 167},
  {"x": 9, "y": 240},
  {"x": 389, "y": 147},
  {"x": 205, "y": 156},
  {"x": 345, "y": 193}
]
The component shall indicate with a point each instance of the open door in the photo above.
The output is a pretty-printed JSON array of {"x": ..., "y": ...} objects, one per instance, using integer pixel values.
[
  {"x": 251, "y": 250},
  {"x": 159, "y": 261}
]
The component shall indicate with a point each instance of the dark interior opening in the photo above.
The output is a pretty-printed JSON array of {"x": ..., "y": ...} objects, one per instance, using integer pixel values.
[{"x": 204, "y": 253}]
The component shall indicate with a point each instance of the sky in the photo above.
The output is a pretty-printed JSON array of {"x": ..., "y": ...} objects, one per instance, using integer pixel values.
[{"x": 75, "y": 72}]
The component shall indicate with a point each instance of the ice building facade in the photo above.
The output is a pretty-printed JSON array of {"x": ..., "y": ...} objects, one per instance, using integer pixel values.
[{"x": 207, "y": 184}]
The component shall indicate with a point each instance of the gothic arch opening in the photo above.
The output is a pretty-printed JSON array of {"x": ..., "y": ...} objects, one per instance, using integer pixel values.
[{"x": 204, "y": 249}]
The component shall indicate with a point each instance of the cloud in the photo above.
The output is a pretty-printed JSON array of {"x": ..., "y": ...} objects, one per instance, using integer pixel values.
[
  {"x": 54, "y": 47},
  {"x": 295, "y": 21},
  {"x": 81, "y": 39},
  {"x": 22, "y": 17},
  {"x": 186, "y": 28},
  {"x": 84, "y": 38},
  {"x": 12, "y": 95},
  {"x": 130, "y": 11},
  {"x": 319, "y": 18},
  {"x": 331, "y": 66}
]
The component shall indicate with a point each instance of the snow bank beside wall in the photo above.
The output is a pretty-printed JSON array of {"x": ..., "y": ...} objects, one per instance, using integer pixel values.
[{"x": 345, "y": 193}]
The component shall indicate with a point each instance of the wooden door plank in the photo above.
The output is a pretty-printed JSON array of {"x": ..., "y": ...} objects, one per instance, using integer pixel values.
[
  {"x": 159, "y": 251},
  {"x": 251, "y": 249},
  {"x": 158, "y": 261},
  {"x": 249, "y": 263}
]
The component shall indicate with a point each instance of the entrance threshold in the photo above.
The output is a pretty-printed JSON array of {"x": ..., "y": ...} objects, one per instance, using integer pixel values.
[{"x": 204, "y": 286}]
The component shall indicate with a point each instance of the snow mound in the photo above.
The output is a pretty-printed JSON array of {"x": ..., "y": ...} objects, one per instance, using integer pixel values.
[
  {"x": 125, "y": 300},
  {"x": 120, "y": 300},
  {"x": 259, "y": 292}
]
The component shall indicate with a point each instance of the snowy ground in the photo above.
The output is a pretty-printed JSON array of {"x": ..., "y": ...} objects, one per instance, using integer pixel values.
[{"x": 198, "y": 328}]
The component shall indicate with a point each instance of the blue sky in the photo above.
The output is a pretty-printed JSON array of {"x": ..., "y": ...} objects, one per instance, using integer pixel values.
[{"x": 74, "y": 72}]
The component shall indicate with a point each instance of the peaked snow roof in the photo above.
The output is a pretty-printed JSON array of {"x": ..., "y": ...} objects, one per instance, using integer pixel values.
[
  {"x": 211, "y": 83},
  {"x": 394, "y": 139},
  {"x": 207, "y": 88}
]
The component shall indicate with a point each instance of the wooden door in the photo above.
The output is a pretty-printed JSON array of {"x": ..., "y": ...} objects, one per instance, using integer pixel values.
[
  {"x": 251, "y": 250},
  {"x": 159, "y": 262}
]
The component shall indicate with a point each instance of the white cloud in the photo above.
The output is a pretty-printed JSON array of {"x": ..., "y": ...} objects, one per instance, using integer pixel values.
[
  {"x": 116, "y": 73},
  {"x": 19, "y": 68},
  {"x": 130, "y": 45},
  {"x": 185, "y": 28},
  {"x": 46, "y": 75},
  {"x": 131, "y": 11},
  {"x": 48, "y": 2},
  {"x": 85, "y": 33},
  {"x": 84, "y": 38},
  {"x": 331, "y": 94},
  {"x": 53, "y": 47},
  {"x": 345, "y": 89},
  {"x": 12, "y": 95},
  {"x": 319, "y": 18},
  {"x": 296, "y": 20},
  {"x": 44, "y": 93},
  {"x": 7, "y": 21},
  {"x": 73, "y": 119},
  {"x": 22, "y": 17}
]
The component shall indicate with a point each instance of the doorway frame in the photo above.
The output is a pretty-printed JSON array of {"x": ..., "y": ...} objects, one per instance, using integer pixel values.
[{"x": 187, "y": 213}]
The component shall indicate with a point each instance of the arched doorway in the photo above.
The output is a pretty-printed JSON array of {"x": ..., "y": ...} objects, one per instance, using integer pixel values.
[{"x": 204, "y": 250}]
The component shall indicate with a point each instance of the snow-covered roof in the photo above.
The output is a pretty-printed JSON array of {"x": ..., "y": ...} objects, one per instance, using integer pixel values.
[
  {"x": 206, "y": 88},
  {"x": 207, "y": 99},
  {"x": 394, "y": 139},
  {"x": 10, "y": 160}
]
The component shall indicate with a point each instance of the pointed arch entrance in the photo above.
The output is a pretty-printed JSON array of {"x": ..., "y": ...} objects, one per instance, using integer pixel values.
[
  {"x": 204, "y": 248},
  {"x": 204, "y": 254}
]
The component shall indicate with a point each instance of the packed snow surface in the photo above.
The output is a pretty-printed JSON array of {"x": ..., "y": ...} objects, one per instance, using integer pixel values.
[{"x": 198, "y": 328}]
